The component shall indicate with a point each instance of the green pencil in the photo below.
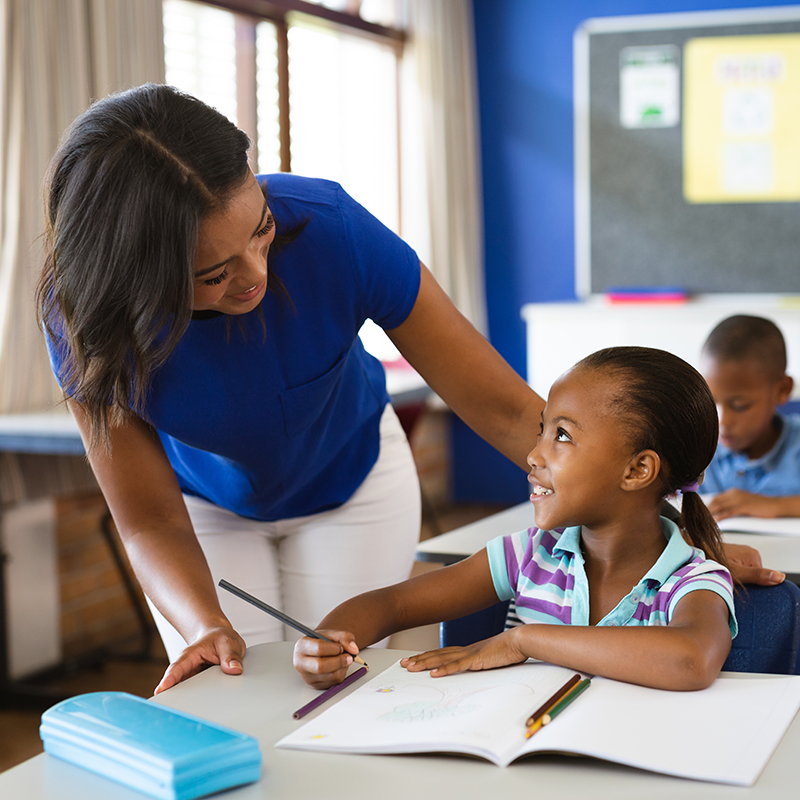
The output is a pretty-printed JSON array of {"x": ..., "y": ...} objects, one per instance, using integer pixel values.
[{"x": 561, "y": 705}]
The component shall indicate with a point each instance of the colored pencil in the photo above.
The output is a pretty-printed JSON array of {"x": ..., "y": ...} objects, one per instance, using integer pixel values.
[
  {"x": 292, "y": 623},
  {"x": 562, "y": 704},
  {"x": 552, "y": 700},
  {"x": 533, "y": 728},
  {"x": 328, "y": 693}
]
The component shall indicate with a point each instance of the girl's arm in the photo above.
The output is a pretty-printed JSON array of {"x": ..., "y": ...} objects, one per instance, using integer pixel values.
[
  {"x": 468, "y": 373},
  {"x": 685, "y": 655},
  {"x": 443, "y": 594},
  {"x": 145, "y": 500}
]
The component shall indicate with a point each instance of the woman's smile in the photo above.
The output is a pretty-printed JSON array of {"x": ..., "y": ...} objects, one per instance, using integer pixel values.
[{"x": 251, "y": 293}]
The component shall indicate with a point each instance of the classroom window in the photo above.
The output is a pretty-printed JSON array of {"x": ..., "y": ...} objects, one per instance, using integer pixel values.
[{"x": 315, "y": 85}]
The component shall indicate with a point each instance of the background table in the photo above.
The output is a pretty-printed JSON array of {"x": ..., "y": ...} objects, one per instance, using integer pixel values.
[{"x": 261, "y": 702}]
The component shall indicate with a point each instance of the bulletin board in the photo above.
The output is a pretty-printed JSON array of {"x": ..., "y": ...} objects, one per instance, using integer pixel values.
[{"x": 687, "y": 143}]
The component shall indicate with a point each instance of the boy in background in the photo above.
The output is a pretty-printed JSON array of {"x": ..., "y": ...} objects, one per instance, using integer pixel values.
[{"x": 756, "y": 469}]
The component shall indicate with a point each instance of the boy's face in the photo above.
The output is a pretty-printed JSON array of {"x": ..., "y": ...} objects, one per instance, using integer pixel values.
[{"x": 746, "y": 397}]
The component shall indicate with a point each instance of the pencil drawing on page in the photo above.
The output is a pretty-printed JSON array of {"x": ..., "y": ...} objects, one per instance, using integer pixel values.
[{"x": 448, "y": 699}]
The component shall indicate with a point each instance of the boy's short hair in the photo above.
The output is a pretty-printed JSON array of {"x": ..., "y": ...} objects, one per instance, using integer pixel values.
[{"x": 744, "y": 337}]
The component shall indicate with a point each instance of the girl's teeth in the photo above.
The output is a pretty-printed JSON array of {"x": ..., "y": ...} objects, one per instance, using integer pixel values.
[{"x": 540, "y": 490}]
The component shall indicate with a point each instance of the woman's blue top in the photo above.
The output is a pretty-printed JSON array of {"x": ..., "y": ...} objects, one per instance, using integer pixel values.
[{"x": 286, "y": 423}]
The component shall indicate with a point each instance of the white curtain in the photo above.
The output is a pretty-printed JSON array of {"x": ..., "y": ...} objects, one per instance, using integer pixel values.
[
  {"x": 58, "y": 56},
  {"x": 441, "y": 62}
]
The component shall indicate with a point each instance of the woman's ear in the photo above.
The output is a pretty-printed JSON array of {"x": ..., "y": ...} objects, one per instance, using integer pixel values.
[{"x": 641, "y": 471}]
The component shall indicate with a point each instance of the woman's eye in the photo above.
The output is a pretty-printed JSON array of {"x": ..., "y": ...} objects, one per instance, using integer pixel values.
[
  {"x": 268, "y": 226},
  {"x": 216, "y": 281},
  {"x": 562, "y": 435}
]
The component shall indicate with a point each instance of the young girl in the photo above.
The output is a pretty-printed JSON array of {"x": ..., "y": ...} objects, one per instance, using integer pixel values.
[{"x": 615, "y": 588}]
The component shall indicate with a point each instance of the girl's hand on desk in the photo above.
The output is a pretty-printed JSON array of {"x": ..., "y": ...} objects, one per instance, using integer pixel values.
[
  {"x": 221, "y": 646},
  {"x": 499, "y": 651},
  {"x": 323, "y": 664}
]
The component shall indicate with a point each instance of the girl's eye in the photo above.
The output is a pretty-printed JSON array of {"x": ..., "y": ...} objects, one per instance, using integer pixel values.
[
  {"x": 268, "y": 226},
  {"x": 562, "y": 436},
  {"x": 216, "y": 281}
]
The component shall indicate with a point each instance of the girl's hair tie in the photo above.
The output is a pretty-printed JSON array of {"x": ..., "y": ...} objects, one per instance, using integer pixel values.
[{"x": 689, "y": 487}]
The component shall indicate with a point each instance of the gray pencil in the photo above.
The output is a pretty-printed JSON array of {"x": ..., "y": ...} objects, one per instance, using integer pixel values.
[{"x": 292, "y": 623}]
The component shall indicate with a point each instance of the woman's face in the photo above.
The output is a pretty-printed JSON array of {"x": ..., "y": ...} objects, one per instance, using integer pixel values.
[{"x": 230, "y": 270}]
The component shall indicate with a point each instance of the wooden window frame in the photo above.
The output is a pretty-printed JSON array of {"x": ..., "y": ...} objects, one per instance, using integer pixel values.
[{"x": 248, "y": 14}]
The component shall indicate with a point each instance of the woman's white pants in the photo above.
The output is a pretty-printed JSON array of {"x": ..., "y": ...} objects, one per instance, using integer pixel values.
[{"x": 306, "y": 566}]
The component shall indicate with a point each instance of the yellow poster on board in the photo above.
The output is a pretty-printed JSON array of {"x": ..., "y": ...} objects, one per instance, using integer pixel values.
[{"x": 741, "y": 121}]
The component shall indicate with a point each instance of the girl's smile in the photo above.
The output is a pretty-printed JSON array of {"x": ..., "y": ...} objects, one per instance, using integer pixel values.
[{"x": 538, "y": 491}]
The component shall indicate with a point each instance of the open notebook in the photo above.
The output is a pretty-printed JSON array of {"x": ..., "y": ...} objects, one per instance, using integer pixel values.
[{"x": 696, "y": 735}]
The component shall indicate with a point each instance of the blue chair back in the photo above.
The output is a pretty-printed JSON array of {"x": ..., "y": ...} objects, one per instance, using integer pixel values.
[
  {"x": 768, "y": 639},
  {"x": 769, "y": 630},
  {"x": 474, "y": 627}
]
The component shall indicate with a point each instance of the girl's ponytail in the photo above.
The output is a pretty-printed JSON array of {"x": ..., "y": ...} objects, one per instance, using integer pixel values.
[
  {"x": 668, "y": 408},
  {"x": 701, "y": 528}
]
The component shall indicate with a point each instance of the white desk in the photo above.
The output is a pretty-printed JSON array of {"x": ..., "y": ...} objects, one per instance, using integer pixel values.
[
  {"x": 777, "y": 552},
  {"x": 261, "y": 703}
]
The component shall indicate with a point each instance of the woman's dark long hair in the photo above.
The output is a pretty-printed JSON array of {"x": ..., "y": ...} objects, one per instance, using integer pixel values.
[
  {"x": 125, "y": 195},
  {"x": 667, "y": 407}
]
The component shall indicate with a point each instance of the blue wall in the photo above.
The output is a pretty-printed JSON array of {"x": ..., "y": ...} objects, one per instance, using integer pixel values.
[
  {"x": 524, "y": 58},
  {"x": 524, "y": 55}
]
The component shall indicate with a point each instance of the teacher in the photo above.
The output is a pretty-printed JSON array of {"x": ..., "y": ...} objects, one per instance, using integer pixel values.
[{"x": 203, "y": 323}]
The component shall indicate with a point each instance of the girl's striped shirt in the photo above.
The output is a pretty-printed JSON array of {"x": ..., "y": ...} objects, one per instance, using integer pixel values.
[{"x": 543, "y": 573}]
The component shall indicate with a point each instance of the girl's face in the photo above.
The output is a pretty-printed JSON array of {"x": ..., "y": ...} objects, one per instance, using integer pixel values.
[
  {"x": 230, "y": 271},
  {"x": 581, "y": 454}
]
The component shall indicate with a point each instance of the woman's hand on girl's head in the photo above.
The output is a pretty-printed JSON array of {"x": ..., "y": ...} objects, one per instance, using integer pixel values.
[
  {"x": 221, "y": 646},
  {"x": 499, "y": 651},
  {"x": 323, "y": 664}
]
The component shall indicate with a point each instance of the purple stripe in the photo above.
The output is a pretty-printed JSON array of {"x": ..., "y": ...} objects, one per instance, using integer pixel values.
[
  {"x": 645, "y": 613},
  {"x": 512, "y": 566},
  {"x": 544, "y": 577},
  {"x": 555, "y": 610}
]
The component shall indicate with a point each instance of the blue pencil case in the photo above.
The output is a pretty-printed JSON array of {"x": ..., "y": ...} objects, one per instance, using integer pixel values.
[{"x": 158, "y": 751}]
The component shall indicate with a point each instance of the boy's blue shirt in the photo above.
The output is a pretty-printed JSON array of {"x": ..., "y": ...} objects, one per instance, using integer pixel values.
[{"x": 776, "y": 474}]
